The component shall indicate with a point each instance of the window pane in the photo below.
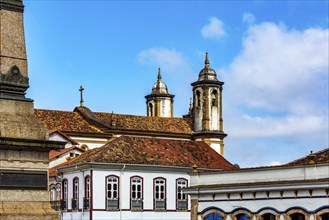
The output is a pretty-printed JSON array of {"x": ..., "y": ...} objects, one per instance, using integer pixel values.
[
  {"x": 115, "y": 186},
  {"x": 139, "y": 195}
]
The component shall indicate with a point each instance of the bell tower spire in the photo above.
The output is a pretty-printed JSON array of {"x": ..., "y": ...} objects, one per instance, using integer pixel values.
[
  {"x": 160, "y": 103},
  {"x": 207, "y": 108}
]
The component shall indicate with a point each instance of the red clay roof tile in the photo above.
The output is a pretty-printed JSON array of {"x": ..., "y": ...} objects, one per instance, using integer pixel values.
[
  {"x": 156, "y": 151},
  {"x": 64, "y": 121}
]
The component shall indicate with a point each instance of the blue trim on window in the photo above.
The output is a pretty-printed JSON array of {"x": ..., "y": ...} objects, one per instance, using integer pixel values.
[
  {"x": 268, "y": 208},
  {"x": 265, "y": 208},
  {"x": 241, "y": 209},
  {"x": 212, "y": 208},
  {"x": 321, "y": 208}
]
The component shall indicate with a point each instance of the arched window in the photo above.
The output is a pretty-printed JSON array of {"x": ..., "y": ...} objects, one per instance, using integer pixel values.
[
  {"x": 136, "y": 192},
  {"x": 151, "y": 110},
  {"x": 322, "y": 214},
  {"x": 112, "y": 192},
  {"x": 197, "y": 98},
  {"x": 297, "y": 216},
  {"x": 242, "y": 216},
  {"x": 84, "y": 147},
  {"x": 213, "y": 216},
  {"x": 268, "y": 216},
  {"x": 64, "y": 195},
  {"x": 214, "y": 98},
  {"x": 159, "y": 193},
  {"x": 52, "y": 192},
  {"x": 181, "y": 197},
  {"x": 75, "y": 199},
  {"x": 86, "y": 199},
  {"x": 57, "y": 197}
]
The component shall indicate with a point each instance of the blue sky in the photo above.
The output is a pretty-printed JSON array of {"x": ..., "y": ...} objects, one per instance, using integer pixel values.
[{"x": 272, "y": 56}]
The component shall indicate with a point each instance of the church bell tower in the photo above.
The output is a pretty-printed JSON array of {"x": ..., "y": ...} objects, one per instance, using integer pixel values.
[
  {"x": 207, "y": 109},
  {"x": 160, "y": 103}
]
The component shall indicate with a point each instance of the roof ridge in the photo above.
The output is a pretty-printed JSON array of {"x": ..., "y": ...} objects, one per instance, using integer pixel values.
[{"x": 111, "y": 113}]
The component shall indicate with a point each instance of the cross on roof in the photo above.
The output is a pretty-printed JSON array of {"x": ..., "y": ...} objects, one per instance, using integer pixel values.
[{"x": 81, "y": 96}]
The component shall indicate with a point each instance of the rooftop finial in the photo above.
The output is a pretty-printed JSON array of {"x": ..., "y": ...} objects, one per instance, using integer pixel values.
[
  {"x": 191, "y": 106},
  {"x": 159, "y": 74},
  {"x": 206, "y": 62},
  {"x": 81, "y": 96},
  {"x": 311, "y": 158}
]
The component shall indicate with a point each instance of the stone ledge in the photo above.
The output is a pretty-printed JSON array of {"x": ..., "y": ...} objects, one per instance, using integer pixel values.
[
  {"x": 29, "y": 144},
  {"x": 27, "y": 210}
]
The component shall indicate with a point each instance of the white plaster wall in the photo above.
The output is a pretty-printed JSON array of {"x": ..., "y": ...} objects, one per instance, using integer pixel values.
[
  {"x": 124, "y": 186},
  {"x": 214, "y": 119},
  {"x": 165, "y": 108},
  {"x": 262, "y": 174},
  {"x": 90, "y": 142},
  {"x": 58, "y": 137},
  {"x": 62, "y": 158},
  {"x": 281, "y": 205},
  {"x": 216, "y": 147}
]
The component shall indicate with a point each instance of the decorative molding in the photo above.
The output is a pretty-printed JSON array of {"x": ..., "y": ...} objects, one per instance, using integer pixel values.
[
  {"x": 13, "y": 85},
  {"x": 12, "y": 5}
]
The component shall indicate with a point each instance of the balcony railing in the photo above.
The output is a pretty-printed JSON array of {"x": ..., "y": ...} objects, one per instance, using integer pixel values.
[
  {"x": 63, "y": 204},
  {"x": 182, "y": 205},
  {"x": 55, "y": 204},
  {"x": 136, "y": 204},
  {"x": 86, "y": 203},
  {"x": 112, "y": 204},
  {"x": 160, "y": 205},
  {"x": 75, "y": 204}
]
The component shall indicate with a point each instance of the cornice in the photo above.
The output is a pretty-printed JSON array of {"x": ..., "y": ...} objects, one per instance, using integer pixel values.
[{"x": 12, "y": 5}]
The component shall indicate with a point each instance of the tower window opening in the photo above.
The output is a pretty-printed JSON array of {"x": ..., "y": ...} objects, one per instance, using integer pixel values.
[
  {"x": 214, "y": 98},
  {"x": 151, "y": 110},
  {"x": 198, "y": 99}
]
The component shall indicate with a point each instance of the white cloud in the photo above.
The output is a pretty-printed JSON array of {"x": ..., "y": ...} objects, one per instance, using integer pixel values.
[
  {"x": 281, "y": 76},
  {"x": 169, "y": 59},
  {"x": 274, "y": 163},
  {"x": 248, "y": 18},
  {"x": 214, "y": 29}
]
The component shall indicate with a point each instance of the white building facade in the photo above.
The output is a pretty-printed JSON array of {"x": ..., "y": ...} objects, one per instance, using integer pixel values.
[
  {"x": 119, "y": 191},
  {"x": 298, "y": 192}
]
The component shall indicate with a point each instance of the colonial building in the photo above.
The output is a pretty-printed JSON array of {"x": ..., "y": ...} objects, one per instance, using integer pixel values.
[
  {"x": 298, "y": 190},
  {"x": 134, "y": 167},
  {"x": 131, "y": 177}
]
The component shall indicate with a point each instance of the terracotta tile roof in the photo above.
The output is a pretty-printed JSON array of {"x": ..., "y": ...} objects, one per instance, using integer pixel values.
[
  {"x": 64, "y": 121},
  {"x": 320, "y": 157},
  {"x": 84, "y": 120},
  {"x": 54, "y": 153},
  {"x": 52, "y": 172},
  {"x": 156, "y": 151},
  {"x": 146, "y": 123}
]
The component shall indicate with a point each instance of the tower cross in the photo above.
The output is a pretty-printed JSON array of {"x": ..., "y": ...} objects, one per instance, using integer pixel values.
[{"x": 81, "y": 96}]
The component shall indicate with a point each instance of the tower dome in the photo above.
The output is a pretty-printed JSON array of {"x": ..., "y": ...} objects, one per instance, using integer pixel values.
[
  {"x": 207, "y": 73},
  {"x": 160, "y": 103},
  {"x": 159, "y": 87}
]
